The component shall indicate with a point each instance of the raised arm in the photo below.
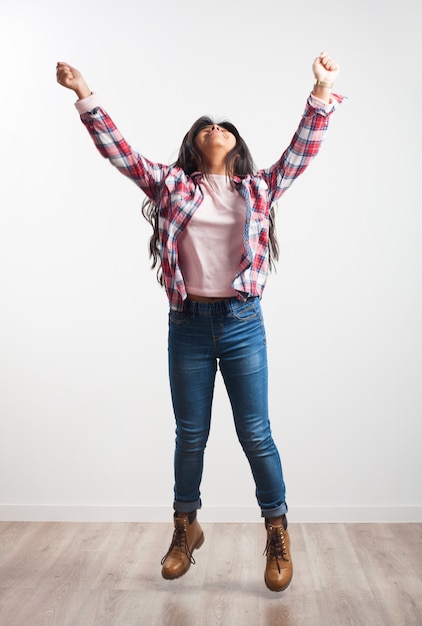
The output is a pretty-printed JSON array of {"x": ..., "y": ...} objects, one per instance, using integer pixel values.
[
  {"x": 310, "y": 133},
  {"x": 107, "y": 138}
]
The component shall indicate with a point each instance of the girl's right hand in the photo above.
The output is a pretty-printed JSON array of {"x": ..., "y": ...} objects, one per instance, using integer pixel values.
[{"x": 71, "y": 78}]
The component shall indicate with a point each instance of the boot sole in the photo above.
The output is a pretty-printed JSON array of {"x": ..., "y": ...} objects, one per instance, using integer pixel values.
[{"x": 197, "y": 545}]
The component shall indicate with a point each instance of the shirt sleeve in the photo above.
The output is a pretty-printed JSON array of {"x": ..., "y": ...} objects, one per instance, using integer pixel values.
[
  {"x": 87, "y": 104},
  {"x": 322, "y": 104},
  {"x": 113, "y": 146},
  {"x": 303, "y": 148}
]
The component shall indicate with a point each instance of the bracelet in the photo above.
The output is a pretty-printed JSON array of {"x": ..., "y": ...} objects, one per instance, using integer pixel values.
[{"x": 323, "y": 83}]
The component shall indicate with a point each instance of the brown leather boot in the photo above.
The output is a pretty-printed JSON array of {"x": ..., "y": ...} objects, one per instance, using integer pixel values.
[
  {"x": 279, "y": 569},
  {"x": 187, "y": 537}
]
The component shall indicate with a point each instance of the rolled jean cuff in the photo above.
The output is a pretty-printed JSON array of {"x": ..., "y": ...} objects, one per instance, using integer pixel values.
[
  {"x": 187, "y": 507},
  {"x": 275, "y": 512}
]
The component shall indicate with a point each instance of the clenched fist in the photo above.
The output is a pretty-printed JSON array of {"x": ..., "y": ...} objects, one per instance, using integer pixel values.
[
  {"x": 71, "y": 78},
  {"x": 325, "y": 68}
]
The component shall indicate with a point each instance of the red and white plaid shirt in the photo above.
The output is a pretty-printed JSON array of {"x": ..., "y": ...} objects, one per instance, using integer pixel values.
[{"x": 178, "y": 195}]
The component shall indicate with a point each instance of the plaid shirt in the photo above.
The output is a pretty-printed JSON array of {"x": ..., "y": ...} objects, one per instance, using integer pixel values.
[{"x": 178, "y": 195}]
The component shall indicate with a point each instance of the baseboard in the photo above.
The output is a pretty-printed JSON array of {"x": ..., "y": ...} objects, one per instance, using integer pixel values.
[{"x": 299, "y": 514}]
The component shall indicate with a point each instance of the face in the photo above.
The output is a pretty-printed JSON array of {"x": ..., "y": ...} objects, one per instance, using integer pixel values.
[{"x": 214, "y": 138}]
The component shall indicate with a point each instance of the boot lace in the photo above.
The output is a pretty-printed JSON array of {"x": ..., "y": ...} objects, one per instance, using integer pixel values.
[
  {"x": 276, "y": 546},
  {"x": 180, "y": 541}
]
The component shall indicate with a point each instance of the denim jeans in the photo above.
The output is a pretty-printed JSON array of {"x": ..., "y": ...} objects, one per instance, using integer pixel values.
[{"x": 229, "y": 332}]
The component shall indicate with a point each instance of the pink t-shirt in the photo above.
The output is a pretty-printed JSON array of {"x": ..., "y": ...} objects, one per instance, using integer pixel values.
[{"x": 211, "y": 246}]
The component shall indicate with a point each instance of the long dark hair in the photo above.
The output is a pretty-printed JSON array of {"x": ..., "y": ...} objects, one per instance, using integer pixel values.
[{"x": 238, "y": 163}]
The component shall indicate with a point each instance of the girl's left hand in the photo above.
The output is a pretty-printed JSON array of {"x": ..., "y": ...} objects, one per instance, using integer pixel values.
[{"x": 325, "y": 68}]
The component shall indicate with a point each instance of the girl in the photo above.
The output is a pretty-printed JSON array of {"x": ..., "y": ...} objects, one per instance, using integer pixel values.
[{"x": 214, "y": 242}]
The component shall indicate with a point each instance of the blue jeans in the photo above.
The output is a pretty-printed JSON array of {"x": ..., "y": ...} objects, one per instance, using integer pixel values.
[{"x": 232, "y": 333}]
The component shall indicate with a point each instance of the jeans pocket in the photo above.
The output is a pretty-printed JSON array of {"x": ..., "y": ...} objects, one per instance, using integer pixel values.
[
  {"x": 245, "y": 311},
  {"x": 178, "y": 317}
]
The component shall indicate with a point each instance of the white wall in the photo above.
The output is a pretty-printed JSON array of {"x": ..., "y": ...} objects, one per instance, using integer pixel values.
[{"x": 86, "y": 428}]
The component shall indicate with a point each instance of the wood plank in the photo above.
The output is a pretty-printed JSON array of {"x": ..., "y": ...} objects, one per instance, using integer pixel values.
[
  {"x": 72, "y": 574},
  {"x": 384, "y": 556}
]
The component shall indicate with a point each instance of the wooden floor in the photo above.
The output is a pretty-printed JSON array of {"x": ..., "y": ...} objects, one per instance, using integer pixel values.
[{"x": 71, "y": 574}]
